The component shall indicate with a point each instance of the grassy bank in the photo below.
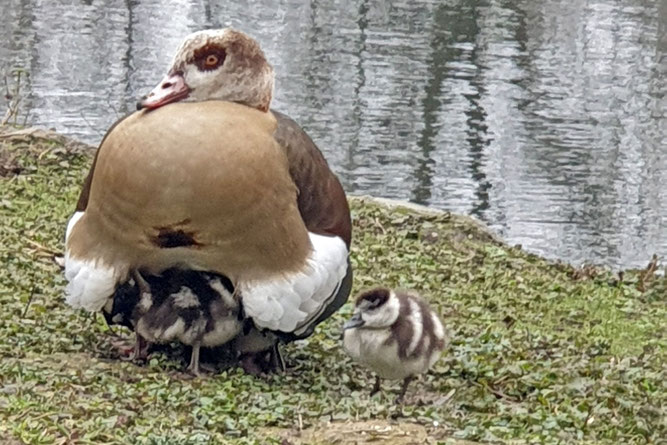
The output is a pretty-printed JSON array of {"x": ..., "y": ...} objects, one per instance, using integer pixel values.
[{"x": 541, "y": 352}]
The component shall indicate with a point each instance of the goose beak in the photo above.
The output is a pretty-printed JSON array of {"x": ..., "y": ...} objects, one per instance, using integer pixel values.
[
  {"x": 354, "y": 322},
  {"x": 171, "y": 89}
]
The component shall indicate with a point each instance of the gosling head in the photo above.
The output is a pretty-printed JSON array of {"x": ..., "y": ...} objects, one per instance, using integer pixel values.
[
  {"x": 374, "y": 309},
  {"x": 120, "y": 308}
]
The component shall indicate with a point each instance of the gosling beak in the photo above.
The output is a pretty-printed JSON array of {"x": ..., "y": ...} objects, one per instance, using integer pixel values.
[
  {"x": 171, "y": 89},
  {"x": 354, "y": 322}
]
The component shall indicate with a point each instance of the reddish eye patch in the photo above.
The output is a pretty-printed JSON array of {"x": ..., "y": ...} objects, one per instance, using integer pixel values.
[{"x": 209, "y": 57}]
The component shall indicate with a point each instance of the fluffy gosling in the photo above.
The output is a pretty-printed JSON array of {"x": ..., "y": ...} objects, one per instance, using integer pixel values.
[
  {"x": 196, "y": 308},
  {"x": 395, "y": 334}
]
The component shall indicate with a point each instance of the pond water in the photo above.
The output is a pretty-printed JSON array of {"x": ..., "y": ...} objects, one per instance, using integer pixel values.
[{"x": 545, "y": 119}]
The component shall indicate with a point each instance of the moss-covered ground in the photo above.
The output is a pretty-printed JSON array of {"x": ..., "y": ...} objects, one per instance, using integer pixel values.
[{"x": 541, "y": 352}]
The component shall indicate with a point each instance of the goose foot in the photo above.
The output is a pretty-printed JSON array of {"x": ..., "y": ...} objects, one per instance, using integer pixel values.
[
  {"x": 263, "y": 362},
  {"x": 252, "y": 363},
  {"x": 139, "y": 352}
]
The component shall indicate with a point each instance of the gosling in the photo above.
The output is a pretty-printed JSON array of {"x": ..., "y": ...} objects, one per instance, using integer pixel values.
[
  {"x": 196, "y": 308},
  {"x": 395, "y": 334}
]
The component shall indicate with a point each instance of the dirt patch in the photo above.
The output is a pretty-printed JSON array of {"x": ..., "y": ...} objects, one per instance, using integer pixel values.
[
  {"x": 360, "y": 433},
  {"x": 58, "y": 362}
]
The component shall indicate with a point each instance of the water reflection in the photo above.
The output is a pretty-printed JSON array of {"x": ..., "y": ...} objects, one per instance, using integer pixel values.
[{"x": 545, "y": 119}]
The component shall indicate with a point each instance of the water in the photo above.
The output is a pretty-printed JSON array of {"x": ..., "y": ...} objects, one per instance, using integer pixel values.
[{"x": 545, "y": 119}]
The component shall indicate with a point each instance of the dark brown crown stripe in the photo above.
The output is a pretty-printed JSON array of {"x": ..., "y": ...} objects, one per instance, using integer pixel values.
[{"x": 376, "y": 297}]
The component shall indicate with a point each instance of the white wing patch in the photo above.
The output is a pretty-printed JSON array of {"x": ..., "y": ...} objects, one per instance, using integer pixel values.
[
  {"x": 289, "y": 303},
  {"x": 90, "y": 284}
]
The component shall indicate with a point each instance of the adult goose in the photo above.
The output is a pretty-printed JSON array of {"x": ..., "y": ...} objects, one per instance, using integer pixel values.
[{"x": 215, "y": 182}]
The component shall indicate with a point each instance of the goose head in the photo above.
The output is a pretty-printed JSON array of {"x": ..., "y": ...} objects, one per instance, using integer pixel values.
[{"x": 223, "y": 64}]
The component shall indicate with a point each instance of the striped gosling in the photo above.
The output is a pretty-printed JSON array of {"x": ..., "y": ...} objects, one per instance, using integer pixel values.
[
  {"x": 395, "y": 334},
  {"x": 195, "y": 308}
]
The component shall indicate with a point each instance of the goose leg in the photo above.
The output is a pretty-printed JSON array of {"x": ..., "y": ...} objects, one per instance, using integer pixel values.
[
  {"x": 141, "y": 346},
  {"x": 144, "y": 287},
  {"x": 277, "y": 363},
  {"x": 376, "y": 386}
]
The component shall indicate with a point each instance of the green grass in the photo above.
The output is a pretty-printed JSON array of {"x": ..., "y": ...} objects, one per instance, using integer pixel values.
[{"x": 541, "y": 352}]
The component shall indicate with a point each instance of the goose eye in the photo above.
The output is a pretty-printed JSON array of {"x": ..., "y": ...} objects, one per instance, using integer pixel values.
[{"x": 211, "y": 60}]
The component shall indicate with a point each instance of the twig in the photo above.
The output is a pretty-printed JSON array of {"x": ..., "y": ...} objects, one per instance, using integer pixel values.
[
  {"x": 647, "y": 274},
  {"x": 32, "y": 294},
  {"x": 41, "y": 247},
  {"x": 44, "y": 153},
  {"x": 377, "y": 224},
  {"x": 13, "y": 95},
  {"x": 25, "y": 119}
]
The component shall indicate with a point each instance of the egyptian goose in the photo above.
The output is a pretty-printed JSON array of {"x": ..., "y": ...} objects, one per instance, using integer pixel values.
[
  {"x": 395, "y": 334},
  {"x": 224, "y": 186},
  {"x": 196, "y": 308}
]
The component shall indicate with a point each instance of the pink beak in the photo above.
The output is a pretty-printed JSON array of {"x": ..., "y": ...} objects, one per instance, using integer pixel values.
[{"x": 171, "y": 89}]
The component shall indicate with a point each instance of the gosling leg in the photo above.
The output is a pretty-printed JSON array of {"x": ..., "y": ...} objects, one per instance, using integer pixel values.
[
  {"x": 376, "y": 386},
  {"x": 193, "y": 368},
  {"x": 404, "y": 388}
]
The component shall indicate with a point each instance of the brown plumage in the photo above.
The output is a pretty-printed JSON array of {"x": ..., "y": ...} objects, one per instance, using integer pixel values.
[{"x": 175, "y": 188}]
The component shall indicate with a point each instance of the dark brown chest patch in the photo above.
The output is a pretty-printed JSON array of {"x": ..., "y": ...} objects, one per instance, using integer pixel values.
[
  {"x": 174, "y": 235},
  {"x": 167, "y": 238}
]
